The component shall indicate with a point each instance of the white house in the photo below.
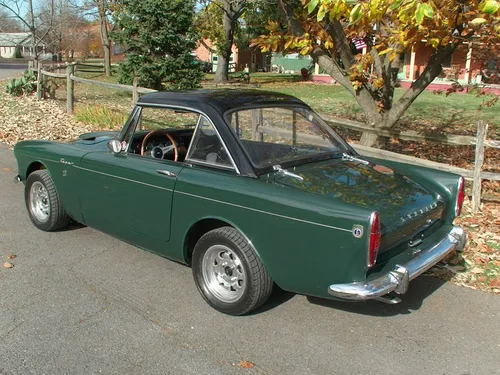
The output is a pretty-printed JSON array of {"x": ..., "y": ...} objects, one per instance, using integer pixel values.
[{"x": 21, "y": 42}]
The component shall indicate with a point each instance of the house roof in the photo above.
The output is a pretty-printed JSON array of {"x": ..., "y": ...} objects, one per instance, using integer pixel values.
[
  {"x": 12, "y": 39},
  {"x": 16, "y": 39}
]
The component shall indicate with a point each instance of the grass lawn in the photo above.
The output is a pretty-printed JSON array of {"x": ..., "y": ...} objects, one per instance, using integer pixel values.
[{"x": 455, "y": 114}]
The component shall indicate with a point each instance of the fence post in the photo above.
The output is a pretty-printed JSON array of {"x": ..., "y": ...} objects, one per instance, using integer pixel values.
[
  {"x": 482, "y": 128},
  {"x": 135, "y": 93},
  {"x": 39, "y": 82},
  {"x": 69, "y": 87}
]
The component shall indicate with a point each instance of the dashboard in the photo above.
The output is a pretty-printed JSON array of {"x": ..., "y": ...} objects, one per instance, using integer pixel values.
[{"x": 159, "y": 146}]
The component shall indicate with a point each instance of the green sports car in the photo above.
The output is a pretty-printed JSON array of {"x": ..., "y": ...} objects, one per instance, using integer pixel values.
[{"x": 251, "y": 189}]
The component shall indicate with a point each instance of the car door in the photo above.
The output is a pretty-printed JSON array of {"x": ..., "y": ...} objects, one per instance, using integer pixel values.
[{"x": 128, "y": 195}]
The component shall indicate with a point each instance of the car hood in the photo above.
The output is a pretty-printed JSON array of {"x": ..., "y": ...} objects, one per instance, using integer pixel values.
[
  {"x": 405, "y": 206},
  {"x": 96, "y": 137}
]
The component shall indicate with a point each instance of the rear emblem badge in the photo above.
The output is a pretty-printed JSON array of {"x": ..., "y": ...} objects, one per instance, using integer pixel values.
[{"x": 357, "y": 231}]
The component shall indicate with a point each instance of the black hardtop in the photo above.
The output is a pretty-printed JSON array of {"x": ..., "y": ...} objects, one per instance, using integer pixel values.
[{"x": 220, "y": 100}]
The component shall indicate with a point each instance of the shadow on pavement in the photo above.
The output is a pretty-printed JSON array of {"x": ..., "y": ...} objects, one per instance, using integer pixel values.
[
  {"x": 278, "y": 297},
  {"x": 73, "y": 225},
  {"x": 420, "y": 288}
]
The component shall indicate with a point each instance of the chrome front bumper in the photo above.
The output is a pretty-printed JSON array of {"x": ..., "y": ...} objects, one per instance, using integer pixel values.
[{"x": 398, "y": 279}]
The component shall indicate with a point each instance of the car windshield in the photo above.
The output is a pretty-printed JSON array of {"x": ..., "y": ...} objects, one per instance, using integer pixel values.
[{"x": 280, "y": 135}]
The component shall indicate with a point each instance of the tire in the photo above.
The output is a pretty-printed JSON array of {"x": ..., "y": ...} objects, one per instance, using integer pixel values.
[
  {"x": 228, "y": 273},
  {"x": 43, "y": 204}
]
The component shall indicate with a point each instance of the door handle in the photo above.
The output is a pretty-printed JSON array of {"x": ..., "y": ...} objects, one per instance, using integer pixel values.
[{"x": 166, "y": 173}]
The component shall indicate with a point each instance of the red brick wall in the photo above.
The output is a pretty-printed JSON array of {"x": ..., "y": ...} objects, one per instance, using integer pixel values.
[{"x": 204, "y": 54}]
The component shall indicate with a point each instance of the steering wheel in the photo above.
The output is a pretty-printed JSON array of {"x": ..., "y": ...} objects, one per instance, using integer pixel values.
[{"x": 164, "y": 132}]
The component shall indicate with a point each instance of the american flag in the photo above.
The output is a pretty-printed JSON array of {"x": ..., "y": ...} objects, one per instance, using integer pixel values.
[{"x": 359, "y": 43}]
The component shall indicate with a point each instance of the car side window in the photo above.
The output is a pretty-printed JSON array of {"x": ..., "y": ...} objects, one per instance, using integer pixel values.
[
  {"x": 207, "y": 147},
  {"x": 161, "y": 133},
  {"x": 152, "y": 119}
]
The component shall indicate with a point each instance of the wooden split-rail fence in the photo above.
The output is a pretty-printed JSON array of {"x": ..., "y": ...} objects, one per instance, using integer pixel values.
[{"x": 480, "y": 141}]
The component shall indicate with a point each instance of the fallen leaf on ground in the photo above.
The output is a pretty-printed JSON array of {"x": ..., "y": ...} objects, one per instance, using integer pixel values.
[
  {"x": 7, "y": 169},
  {"x": 8, "y": 265},
  {"x": 477, "y": 270},
  {"x": 11, "y": 256},
  {"x": 482, "y": 279},
  {"x": 495, "y": 283},
  {"x": 245, "y": 364},
  {"x": 480, "y": 260}
]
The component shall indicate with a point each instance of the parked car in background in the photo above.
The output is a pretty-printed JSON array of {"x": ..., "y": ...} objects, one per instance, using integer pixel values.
[{"x": 251, "y": 189}]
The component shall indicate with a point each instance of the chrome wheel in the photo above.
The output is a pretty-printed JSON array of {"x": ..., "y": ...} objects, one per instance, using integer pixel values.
[
  {"x": 223, "y": 273},
  {"x": 39, "y": 202}
]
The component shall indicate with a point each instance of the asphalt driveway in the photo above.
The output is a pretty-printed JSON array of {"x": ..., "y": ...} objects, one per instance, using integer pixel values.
[
  {"x": 81, "y": 302},
  {"x": 11, "y": 70}
]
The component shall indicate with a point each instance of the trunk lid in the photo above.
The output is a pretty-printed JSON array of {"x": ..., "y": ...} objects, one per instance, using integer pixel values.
[{"x": 406, "y": 208}]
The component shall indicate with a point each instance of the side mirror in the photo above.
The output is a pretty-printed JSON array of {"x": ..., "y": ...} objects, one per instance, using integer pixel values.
[{"x": 115, "y": 146}]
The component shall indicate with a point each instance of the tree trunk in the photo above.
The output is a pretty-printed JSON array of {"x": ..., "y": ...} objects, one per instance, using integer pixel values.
[
  {"x": 222, "y": 72},
  {"x": 32, "y": 27},
  {"x": 372, "y": 140},
  {"x": 106, "y": 44}
]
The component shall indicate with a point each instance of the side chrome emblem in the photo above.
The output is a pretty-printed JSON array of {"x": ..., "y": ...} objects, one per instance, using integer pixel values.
[
  {"x": 357, "y": 230},
  {"x": 62, "y": 161}
]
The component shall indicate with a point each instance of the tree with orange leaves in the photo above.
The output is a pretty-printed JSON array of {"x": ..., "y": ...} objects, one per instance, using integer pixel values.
[{"x": 325, "y": 30}]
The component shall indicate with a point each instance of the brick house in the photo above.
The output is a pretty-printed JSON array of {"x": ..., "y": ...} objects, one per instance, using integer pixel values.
[
  {"x": 466, "y": 65},
  {"x": 240, "y": 59}
]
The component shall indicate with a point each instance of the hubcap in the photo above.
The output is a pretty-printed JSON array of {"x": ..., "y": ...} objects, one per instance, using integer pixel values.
[
  {"x": 223, "y": 273},
  {"x": 39, "y": 202}
]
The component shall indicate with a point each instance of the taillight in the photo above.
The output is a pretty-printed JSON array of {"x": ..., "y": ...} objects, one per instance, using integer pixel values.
[
  {"x": 374, "y": 239},
  {"x": 460, "y": 196}
]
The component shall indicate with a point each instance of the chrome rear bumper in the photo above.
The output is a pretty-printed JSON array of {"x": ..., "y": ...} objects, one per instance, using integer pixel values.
[{"x": 397, "y": 280}]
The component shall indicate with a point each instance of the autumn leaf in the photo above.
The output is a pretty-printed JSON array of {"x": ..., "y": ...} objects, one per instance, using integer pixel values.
[
  {"x": 495, "y": 283},
  {"x": 419, "y": 14},
  {"x": 312, "y": 5},
  {"x": 478, "y": 21},
  {"x": 395, "y": 5},
  {"x": 477, "y": 270},
  {"x": 8, "y": 265},
  {"x": 245, "y": 364},
  {"x": 434, "y": 42},
  {"x": 385, "y": 51},
  {"x": 11, "y": 256},
  {"x": 489, "y": 6},
  {"x": 355, "y": 13},
  {"x": 321, "y": 13}
]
